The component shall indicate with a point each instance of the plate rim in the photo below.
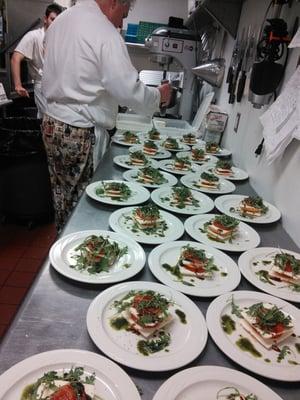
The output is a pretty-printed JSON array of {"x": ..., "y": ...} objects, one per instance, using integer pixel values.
[
  {"x": 153, "y": 266},
  {"x": 275, "y": 210},
  {"x": 210, "y": 372},
  {"x": 206, "y": 190},
  {"x": 230, "y": 178},
  {"x": 107, "y": 295},
  {"x": 105, "y": 280},
  {"x": 215, "y": 309},
  {"x": 20, "y": 369}
]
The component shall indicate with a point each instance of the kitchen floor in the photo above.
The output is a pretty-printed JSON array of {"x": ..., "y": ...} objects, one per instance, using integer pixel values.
[{"x": 22, "y": 252}]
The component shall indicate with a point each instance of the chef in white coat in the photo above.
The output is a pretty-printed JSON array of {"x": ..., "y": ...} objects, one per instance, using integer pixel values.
[
  {"x": 87, "y": 74},
  {"x": 31, "y": 49}
]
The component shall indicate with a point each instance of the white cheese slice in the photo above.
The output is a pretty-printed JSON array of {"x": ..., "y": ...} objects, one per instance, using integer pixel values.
[
  {"x": 286, "y": 276},
  {"x": 146, "y": 332},
  {"x": 44, "y": 392},
  {"x": 186, "y": 272}
]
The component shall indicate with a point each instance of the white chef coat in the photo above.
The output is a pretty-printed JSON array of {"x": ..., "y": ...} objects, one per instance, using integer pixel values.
[{"x": 88, "y": 72}]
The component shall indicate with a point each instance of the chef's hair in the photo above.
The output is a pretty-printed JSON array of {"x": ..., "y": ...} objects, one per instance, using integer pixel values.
[{"x": 53, "y": 7}]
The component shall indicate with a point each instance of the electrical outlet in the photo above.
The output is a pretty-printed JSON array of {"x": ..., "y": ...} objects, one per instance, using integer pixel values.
[{"x": 237, "y": 122}]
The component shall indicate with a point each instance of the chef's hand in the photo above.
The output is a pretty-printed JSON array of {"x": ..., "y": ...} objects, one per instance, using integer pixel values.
[
  {"x": 165, "y": 94},
  {"x": 21, "y": 91}
]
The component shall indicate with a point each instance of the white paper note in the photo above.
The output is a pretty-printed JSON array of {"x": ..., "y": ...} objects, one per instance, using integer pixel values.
[{"x": 296, "y": 40}]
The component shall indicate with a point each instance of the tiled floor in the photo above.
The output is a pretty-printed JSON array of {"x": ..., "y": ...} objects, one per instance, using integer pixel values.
[{"x": 22, "y": 253}]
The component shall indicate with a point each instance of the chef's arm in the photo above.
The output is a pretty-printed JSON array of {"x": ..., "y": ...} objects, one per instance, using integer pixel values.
[
  {"x": 16, "y": 61},
  {"x": 121, "y": 80}
]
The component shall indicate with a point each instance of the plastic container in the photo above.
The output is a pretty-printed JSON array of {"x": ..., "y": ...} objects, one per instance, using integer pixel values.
[
  {"x": 131, "y": 33},
  {"x": 173, "y": 127},
  {"x": 133, "y": 122}
]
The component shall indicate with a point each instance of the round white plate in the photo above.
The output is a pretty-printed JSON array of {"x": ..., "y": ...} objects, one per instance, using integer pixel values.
[
  {"x": 111, "y": 382},
  {"x": 225, "y": 203},
  {"x": 262, "y": 258},
  {"x": 146, "y": 137},
  {"x": 238, "y": 174},
  {"x": 282, "y": 371},
  {"x": 161, "y": 154},
  {"x": 199, "y": 142},
  {"x": 162, "y": 196},
  {"x": 131, "y": 176},
  {"x": 181, "y": 146},
  {"x": 138, "y": 194},
  {"x": 225, "y": 280},
  {"x": 208, "y": 158},
  {"x": 221, "y": 153},
  {"x": 205, "y": 382},
  {"x": 247, "y": 238},
  {"x": 189, "y": 180},
  {"x": 121, "y": 222},
  {"x": 127, "y": 266},
  {"x": 167, "y": 165},
  {"x": 124, "y": 161},
  {"x": 119, "y": 139},
  {"x": 187, "y": 340}
]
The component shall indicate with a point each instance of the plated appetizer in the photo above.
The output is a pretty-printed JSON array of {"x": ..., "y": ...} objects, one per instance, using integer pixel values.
[
  {"x": 212, "y": 147},
  {"x": 182, "y": 197},
  {"x": 96, "y": 254},
  {"x": 251, "y": 207},
  {"x": 138, "y": 158},
  {"x": 223, "y": 168},
  {"x": 286, "y": 268},
  {"x": 209, "y": 181},
  {"x": 148, "y": 219},
  {"x": 154, "y": 134},
  {"x": 73, "y": 384},
  {"x": 267, "y": 324},
  {"x": 150, "y": 148},
  {"x": 171, "y": 143},
  {"x": 130, "y": 137},
  {"x": 232, "y": 393},
  {"x": 221, "y": 228},
  {"x": 189, "y": 138},
  {"x": 198, "y": 155},
  {"x": 192, "y": 263},
  {"x": 182, "y": 164},
  {"x": 114, "y": 190},
  {"x": 151, "y": 176}
]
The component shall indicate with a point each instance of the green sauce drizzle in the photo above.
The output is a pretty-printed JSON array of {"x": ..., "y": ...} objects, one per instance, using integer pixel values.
[{"x": 245, "y": 345}]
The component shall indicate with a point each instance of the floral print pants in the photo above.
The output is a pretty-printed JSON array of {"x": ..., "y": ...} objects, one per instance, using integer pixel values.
[{"x": 70, "y": 161}]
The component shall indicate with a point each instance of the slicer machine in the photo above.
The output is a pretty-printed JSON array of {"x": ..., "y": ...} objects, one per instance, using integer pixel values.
[{"x": 174, "y": 49}]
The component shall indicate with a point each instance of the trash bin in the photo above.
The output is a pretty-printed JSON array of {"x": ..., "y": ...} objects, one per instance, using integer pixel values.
[{"x": 25, "y": 191}]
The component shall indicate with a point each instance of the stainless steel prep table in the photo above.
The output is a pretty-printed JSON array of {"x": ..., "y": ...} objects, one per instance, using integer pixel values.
[{"x": 53, "y": 315}]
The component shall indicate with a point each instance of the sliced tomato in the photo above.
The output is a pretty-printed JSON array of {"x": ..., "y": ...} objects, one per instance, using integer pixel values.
[
  {"x": 288, "y": 267},
  {"x": 278, "y": 328},
  {"x": 146, "y": 310},
  {"x": 194, "y": 268},
  {"x": 66, "y": 392},
  {"x": 218, "y": 225}
]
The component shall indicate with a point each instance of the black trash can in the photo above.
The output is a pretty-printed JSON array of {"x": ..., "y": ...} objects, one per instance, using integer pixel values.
[{"x": 25, "y": 191}]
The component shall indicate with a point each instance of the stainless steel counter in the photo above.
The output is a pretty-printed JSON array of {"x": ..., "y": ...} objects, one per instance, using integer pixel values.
[{"x": 53, "y": 314}]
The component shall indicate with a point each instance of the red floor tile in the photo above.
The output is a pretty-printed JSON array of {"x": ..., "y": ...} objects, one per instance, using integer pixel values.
[
  {"x": 20, "y": 279},
  {"x": 4, "y": 274},
  {"x": 3, "y": 329},
  {"x": 11, "y": 251},
  {"x": 7, "y": 313},
  {"x": 8, "y": 264},
  {"x": 28, "y": 264},
  {"x": 36, "y": 252},
  {"x": 12, "y": 295}
]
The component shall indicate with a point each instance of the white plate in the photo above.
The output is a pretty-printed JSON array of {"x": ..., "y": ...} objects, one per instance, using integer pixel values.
[
  {"x": 119, "y": 139},
  {"x": 131, "y": 176},
  {"x": 167, "y": 165},
  {"x": 111, "y": 382},
  {"x": 138, "y": 193},
  {"x": 181, "y": 146},
  {"x": 161, "y": 154},
  {"x": 162, "y": 195},
  {"x": 119, "y": 222},
  {"x": 209, "y": 159},
  {"x": 238, "y": 174},
  {"x": 168, "y": 253},
  {"x": 146, "y": 137},
  {"x": 262, "y": 258},
  {"x": 224, "y": 203},
  {"x": 127, "y": 266},
  {"x": 187, "y": 340},
  {"x": 225, "y": 185},
  {"x": 204, "y": 383},
  {"x": 199, "y": 142},
  {"x": 247, "y": 238},
  {"x": 123, "y": 161},
  {"x": 283, "y": 371},
  {"x": 221, "y": 153}
]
